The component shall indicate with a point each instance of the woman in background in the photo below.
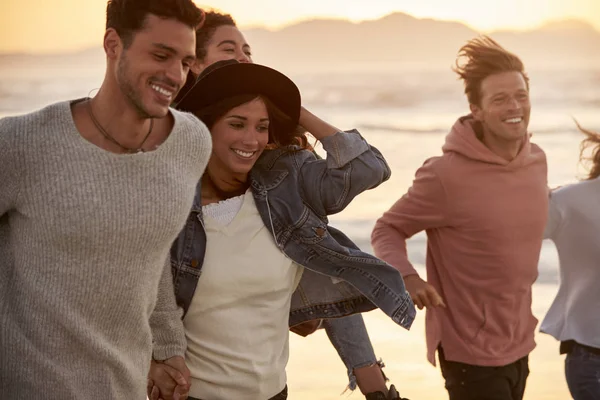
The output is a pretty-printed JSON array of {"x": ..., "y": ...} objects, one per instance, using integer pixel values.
[{"x": 574, "y": 317}]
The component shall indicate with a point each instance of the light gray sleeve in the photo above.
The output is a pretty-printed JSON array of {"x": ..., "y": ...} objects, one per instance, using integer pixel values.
[
  {"x": 167, "y": 327},
  {"x": 555, "y": 217},
  {"x": 10, "y": 169}
]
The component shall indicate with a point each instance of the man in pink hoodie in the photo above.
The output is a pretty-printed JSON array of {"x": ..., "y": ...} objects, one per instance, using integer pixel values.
[{"x": 483, "y": 205}]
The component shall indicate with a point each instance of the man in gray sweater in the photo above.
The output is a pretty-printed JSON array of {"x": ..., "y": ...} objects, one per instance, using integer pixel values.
[{"x": 92, "y": 194}]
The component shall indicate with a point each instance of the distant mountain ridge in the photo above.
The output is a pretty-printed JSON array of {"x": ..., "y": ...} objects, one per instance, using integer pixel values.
[
  {"x": 402, "y": 39},
  {"x": 396, "y": 39}
]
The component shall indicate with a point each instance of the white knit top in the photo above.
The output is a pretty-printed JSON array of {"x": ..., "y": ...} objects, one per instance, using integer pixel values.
[{"x": 237, "y": 324}]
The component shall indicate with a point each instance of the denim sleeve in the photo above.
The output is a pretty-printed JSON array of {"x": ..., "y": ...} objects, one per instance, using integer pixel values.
[
  {"x": 351, "y": 167},
  {"x": 350, "y": 338}
]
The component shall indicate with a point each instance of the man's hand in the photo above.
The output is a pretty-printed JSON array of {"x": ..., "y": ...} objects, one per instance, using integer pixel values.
[
  {"x": 169, "y": 379},
  {"x": 422, "y": 293}
]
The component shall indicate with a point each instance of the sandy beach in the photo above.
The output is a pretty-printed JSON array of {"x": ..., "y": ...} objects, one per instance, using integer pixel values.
[{"x": 315, "y": 372}]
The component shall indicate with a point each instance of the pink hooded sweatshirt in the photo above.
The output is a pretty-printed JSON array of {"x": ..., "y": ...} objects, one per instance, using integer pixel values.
[{"x": 485, "y": 218}]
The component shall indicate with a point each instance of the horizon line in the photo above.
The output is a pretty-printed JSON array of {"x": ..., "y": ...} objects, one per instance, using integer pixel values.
[{"x": 281, "y": 26}]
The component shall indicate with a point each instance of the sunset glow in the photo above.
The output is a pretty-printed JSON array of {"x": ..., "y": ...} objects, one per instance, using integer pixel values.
[{"x": 64, "y": 25}]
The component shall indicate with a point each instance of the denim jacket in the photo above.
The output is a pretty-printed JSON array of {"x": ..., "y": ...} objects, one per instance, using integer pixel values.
[{"x": 294, "y": 193}]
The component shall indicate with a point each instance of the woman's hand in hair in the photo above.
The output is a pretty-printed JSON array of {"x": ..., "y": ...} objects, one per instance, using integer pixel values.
[{"x": 315, "y": 125}]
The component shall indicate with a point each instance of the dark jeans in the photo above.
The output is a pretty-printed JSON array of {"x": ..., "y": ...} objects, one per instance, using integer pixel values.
[
  {"x": 472, "y": 382},
  {"x": 280, "y": 396},
  {"x": 582, "y": 369}
]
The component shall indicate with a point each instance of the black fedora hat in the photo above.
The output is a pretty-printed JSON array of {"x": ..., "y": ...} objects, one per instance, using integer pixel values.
[{"x": 225, "y": 79}]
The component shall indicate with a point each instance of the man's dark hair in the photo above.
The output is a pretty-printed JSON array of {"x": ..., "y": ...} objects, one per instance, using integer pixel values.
[
  {"x": 129, "y": 16},
  {"x": 212, "y": 21}
]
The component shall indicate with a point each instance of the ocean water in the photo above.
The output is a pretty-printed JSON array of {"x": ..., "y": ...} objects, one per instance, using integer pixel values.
[{"x": 406, "y": 114}]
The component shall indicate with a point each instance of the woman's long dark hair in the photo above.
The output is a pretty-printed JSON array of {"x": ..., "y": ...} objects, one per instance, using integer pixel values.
[
  {"x": 282, "y": 131},
  {"x": 592, "y": 143}
]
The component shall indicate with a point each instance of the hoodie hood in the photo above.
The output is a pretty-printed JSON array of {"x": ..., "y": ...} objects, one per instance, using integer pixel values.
[{"x": 463, "y": 140}]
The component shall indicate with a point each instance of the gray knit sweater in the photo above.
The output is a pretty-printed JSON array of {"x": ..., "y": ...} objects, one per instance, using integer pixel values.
[{"x": 84, "y": 247}]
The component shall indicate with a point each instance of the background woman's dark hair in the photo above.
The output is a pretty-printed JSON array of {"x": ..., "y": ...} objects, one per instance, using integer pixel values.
[
  {"x": 282, "y": 132},
  {"x": 212, "y": 20},
  {"x": 591, "y": 142},
  {"x": 129, "y": 16}
]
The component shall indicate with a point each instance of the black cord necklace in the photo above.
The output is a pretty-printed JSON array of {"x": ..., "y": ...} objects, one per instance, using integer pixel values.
[{"x": 112, "y": 139}]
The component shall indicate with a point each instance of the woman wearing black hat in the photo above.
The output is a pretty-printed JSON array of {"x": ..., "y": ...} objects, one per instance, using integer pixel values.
[
  {"x": 259, "y": 224},
  {"x": 239, "y": 159},
  {"x": 220, "y": 39}
]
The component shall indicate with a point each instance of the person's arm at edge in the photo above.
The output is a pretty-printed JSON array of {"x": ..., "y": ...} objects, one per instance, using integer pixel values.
[{"x": 555, "y": 216}]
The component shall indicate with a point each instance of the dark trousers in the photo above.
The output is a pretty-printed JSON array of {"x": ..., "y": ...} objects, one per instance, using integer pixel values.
[
  {"x": 582, "y": 369},
  {"x": 279, "y": 396},
  {"x": 472, "y": 382}
]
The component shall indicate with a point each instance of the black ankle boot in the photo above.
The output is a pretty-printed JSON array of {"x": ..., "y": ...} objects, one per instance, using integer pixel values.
[{"x": 392, "y": 395}]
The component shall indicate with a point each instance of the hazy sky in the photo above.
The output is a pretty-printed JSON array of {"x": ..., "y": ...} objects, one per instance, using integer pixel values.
[{"x": 56, "y": 25}]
